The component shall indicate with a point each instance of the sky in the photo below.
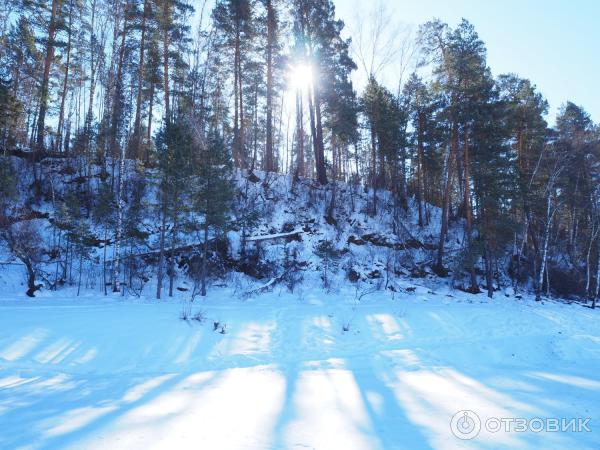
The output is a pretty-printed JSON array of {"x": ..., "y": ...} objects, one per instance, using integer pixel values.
[{"x": 554, "y": 43}]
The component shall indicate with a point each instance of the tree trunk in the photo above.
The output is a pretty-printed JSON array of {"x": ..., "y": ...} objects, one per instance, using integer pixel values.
[
  {"x": 374, "y": 167},
  {"x": 93, "y": 68},
  {"x": 242, "y": 131},
  {"x": 469, "y": 213},
  {"x": 321, "y": 170},
  {"x": 595, "y": 230},
  {"x": 166, "y": 25},
  {"x": 119, "y": 231},
  {"x": 331, "y": 208},
  {"x": 117, "y": 101},
  {"x": 540, "y": 282},
  {"x": 150, "y": 106},
  {"x": 41, "y": 119},
  {"x": 255, "y": 129},
  {"x": 420, "y": 162},
  {"x": 161, "y": 256},
  {"x": 597, "y": 279},
  {"x": 269, "y": 160},
  {"x": 204, "y": 258},
  {"x": 172, "y": 258},
  {"x": 137, "y": 125},
  {"x": 31, "y": 286},
  {"x": 313, "y": 129},
  {"x": 489, "y": 276},
  {"x": 446, "y": 200},
  {"x": 80, "y": 273},
  {"x": 104, "y": 259},
  {"x": 300, "y": 137},
  {"x": 236, "y": 105},
  {"x": 61, "y": 114}
]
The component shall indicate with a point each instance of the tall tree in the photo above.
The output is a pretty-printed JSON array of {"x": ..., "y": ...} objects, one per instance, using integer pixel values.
[
  {"x": 385, "y": 123},
  {"x": 137, "y": 124},
  {"x": 422, "y": 105},
  {"x": 212, "y": 191},
  {"x": 235, "y": 21},
  {"x": 174, "y": 145},
  {"x": 172, "y": 18},
  {"x": 525, "y": 109},
  {"x": 461, "y": 73},
  {"x": 272, "y": 29},
  {"x": 318, "y": 34},
  {"x": 50, "y": 43}
]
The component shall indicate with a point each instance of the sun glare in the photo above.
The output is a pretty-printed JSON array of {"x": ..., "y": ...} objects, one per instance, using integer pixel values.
[{"x": 300, "y": 77}]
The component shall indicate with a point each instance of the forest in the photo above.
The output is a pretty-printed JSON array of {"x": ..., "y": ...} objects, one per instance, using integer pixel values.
[
  {"x": 299, "y": 224},
  {"x": 128, "y": 130}
]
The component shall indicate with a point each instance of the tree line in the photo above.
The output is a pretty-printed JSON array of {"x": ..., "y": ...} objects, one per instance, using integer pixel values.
[{"x": 176, "y": 93}]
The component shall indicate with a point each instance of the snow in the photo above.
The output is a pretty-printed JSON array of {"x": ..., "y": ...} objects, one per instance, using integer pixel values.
[
  {"x": 348, "y": 366},
  {"x": 123, "y": 373}
]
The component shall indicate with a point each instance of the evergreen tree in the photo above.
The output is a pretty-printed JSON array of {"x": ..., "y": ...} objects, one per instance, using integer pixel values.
[
  {"x": 385, "y": 120},
  {"x": 422, "y": 105},
  {"x": 175, "y": 150},
  {"x": 525, "y": 109},
  {"x": 235, "y": 21},
  {"x": 272, "y": 59},
  {"x": 54, "y": 24},
  {"x": 318, "y": 38},
  {"x": 212, "y": 191}
]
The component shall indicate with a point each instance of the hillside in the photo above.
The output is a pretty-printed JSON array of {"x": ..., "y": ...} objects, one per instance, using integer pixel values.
[{"x": 281, "y": 234}]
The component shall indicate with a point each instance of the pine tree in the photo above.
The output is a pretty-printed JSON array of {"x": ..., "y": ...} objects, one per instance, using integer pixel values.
[
  {"x": 318, "y": 38},
  {"x": 103, "y": 214},
  {"x": 212, "y": 191},
  {"x": 143, "y": 23},
  {"x": 462, "y": 74},
  {"x": 175, "y": 150},
  {"x": 494, "y": 177},
  {"x": 422, "y": 105},
  {"x": 54, "y": 24},
  {"x": 234, "y": 19},
  {"x": 272, "y": 48},
  {"x": 384, "y": 119},
  {"x": 22, "y": 70},
  {"x": 525, "y": 109}
]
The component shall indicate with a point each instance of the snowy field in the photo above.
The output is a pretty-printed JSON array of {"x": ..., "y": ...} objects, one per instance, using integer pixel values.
[{"x": 313, "y": 371}]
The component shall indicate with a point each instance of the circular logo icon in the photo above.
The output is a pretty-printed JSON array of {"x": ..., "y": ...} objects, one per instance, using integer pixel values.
[{"x": 465, "y": 425}]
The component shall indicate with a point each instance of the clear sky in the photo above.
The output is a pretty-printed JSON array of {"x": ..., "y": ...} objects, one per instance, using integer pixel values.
[{"x": 554, "y": 43}]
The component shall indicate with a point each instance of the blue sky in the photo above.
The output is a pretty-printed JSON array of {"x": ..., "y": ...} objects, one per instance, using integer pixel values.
[{"x": 554, "y": 43}]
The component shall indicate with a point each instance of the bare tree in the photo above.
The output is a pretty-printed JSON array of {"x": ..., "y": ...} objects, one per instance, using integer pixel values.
[
  {"x": 383, "y": 46},
  {"x": 594, "y": 232},
  {"x": 23, "y": 240},
  {"x": 552, "y": 205}
]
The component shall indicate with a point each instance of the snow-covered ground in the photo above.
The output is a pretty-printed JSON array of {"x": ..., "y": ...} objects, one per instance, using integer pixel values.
[{"x": 309, "y": 371}]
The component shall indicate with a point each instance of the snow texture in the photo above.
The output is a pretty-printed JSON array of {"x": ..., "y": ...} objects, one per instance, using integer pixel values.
[{"x": 293, "y": 371}]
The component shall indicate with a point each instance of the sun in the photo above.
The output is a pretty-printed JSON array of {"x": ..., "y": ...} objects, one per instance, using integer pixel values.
[{"x": 300, "y": 77}]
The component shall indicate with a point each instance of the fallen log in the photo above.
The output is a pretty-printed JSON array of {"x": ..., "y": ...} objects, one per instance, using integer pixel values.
[{"x": 267, "y": 237}]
